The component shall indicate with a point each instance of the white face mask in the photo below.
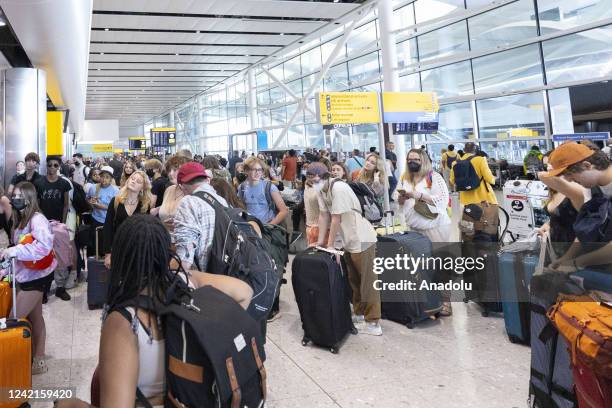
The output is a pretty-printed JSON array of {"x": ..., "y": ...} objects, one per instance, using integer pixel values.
[{"x": 318, "y": 186}]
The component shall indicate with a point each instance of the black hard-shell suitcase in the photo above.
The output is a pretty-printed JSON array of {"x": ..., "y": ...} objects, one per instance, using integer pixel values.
[
  {"x": 98, "y": 279},
  {"x": 321, "y": 292},
  {"x": 551, "y": 383},
  {"x": 407, "y": 307}
]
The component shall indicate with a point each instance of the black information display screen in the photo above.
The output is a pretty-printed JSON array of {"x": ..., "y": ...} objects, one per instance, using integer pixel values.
[
  {"x": 137, "y": 144},
  {"x": 163, "y": 137},
  {"x": 410, "y": 128}
]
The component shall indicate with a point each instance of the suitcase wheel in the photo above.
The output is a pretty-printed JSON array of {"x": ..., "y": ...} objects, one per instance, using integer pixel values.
[
  {"x": 354, "y": 330},
  {"x": 484, "y": 313},
  {"x": 94, "y": 307},
  {"x": 333, "y": 350},
  {"x": 410, "y": 325},
  {"x": 465, "y": 300},
  {"x": 305, "y": 341}
]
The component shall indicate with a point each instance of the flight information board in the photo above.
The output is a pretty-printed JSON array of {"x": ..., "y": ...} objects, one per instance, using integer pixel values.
[
  {"x": 163, "y": 137},
  {"x": 411, "y": 128},
  {"x": 137, "y": 143}
]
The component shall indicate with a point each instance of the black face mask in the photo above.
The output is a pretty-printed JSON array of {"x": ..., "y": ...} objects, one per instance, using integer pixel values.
[
  {"x": 241, "y": 177},
  {"x": 414, "y": 167},
  {"x": 18, "y": 203},
  {"x": 150, "y": 173}
]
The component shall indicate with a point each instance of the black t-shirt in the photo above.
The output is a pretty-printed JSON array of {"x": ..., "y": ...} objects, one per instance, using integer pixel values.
[
  {"x": 158, "y": 188},
  {"x": 51, "y": 197},
  {"x": 18, "y": 178}
]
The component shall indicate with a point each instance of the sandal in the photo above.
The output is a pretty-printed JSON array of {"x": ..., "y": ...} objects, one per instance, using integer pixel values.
[{"x": 447, "y": 309}]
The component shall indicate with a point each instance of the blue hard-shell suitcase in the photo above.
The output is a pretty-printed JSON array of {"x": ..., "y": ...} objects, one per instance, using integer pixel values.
[{"x": 515, "y": 272}]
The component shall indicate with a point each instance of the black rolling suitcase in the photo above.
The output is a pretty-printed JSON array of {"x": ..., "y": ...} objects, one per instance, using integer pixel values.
[
  {"x": 98, "y": 278},
  {"x": 321, "y": 292},
  {"x": 551, "y": 383},
  {"x": 485, "y": 282},
  {"x": 407, "y": 307}
]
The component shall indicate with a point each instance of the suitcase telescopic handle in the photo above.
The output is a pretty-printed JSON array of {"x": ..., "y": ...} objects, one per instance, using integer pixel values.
[{"x": 13, "y": 280}]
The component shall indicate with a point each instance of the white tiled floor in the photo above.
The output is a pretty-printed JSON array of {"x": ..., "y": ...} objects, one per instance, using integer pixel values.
[{"x": 462, "y": 361}]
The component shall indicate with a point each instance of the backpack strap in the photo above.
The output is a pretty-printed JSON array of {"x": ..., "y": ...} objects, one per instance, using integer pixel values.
[{"x": 269, "y": 199}]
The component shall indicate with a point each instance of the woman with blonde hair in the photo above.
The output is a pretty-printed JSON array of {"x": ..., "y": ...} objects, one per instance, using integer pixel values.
[
  {"x": 173, "y": 194},
  {"x": 372, "y": 174},
  {"x": 133, "y": 198},
  {"x": 128, "y": 170},
  {"x": 423, "y": 200}
]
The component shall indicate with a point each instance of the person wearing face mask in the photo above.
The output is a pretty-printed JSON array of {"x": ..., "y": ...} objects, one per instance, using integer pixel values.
[
  {"x": 159, "y": 182},
  {"x": 173, "y": 194},
  {"x": 133, "y": 198},
  {"x": 240, "y": 176},
  {"x": 100, "y": 196},
  {"x": 81, "y": 170},
  {"x": 423, "y": 199},
  {"x": 34, "y": 266}
]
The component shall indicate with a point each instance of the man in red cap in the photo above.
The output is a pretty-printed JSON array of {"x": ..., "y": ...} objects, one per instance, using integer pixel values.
[
  {"x": 591, "y": 169},
  {"x": 194, "y": 223}
]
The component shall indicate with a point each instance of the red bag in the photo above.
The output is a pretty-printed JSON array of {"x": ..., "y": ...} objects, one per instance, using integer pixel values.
[
  {"x": 40, "y": 264},
  {"x": 592, "y": 390}
]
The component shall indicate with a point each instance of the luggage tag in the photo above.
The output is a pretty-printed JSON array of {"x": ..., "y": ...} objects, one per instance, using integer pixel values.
[{"x": 3, "y": 323}]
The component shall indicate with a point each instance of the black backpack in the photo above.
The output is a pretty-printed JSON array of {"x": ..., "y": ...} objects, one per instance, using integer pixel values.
[
  {"x": 214, "y": 349},
  {"x": 79, "y": 199},
  {"x": 239, "y": 252},
  {"x": 594, "y": 221},
  {"x": 466, "y": 178},
  {"x": 371, "y": 209}
]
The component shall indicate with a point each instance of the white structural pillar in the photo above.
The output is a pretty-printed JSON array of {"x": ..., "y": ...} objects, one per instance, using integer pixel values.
[
  {"x": 388, "y": 49},
  {"x": 252, "y": 105}
]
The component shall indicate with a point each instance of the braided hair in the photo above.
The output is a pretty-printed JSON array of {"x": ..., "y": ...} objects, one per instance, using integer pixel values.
[{"x": 141, "y": 256}]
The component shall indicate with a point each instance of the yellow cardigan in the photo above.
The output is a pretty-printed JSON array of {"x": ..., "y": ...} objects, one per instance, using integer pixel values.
[{"x": 484, "y": 192}]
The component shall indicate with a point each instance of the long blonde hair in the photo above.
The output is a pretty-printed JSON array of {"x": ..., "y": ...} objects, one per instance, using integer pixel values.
[
  {"x": 426, "y": 167},
  {"x": 367, "y": 177},
  {"x": 144, "y": 197}
]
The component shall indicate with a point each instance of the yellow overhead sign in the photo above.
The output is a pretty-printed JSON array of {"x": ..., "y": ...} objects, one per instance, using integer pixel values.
[
  {"x": 523, "y": 132},
  {"x": 55, "y": 135},
  {"x": 102, "y": 148},
  {"x": 164, "y": 129},
  {"x": 337, "y": 108},
  {"x": 410, "y": 102}
]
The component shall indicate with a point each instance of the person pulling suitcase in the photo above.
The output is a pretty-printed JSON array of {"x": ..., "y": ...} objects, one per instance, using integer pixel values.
[{"x": 340, "y": 212}]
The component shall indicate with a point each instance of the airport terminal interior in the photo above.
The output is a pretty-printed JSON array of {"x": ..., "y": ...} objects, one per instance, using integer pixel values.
[{"x": 306, "y": 203}]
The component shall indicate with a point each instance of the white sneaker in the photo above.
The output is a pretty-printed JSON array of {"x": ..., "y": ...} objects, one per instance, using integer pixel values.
[
  {"x": 39, "y": 366},
  {"x": 371, "y": 328},
  {"x": 357, "y": 319}
]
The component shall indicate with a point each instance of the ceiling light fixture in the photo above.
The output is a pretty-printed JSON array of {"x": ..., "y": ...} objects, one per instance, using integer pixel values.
[
  {"x": 106, "y": 29},
  {"x": 101, "y": 53}
]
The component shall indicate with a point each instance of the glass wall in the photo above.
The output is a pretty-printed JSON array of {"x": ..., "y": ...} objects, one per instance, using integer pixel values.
[{"x": 488, "y": 63}]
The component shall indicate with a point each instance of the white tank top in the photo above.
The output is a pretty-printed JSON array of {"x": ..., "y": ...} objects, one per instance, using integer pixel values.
[{"x": 151, "y": 357}]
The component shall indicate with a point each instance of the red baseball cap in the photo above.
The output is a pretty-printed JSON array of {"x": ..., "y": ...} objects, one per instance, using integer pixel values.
[{"x": 189, "y": 171}]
